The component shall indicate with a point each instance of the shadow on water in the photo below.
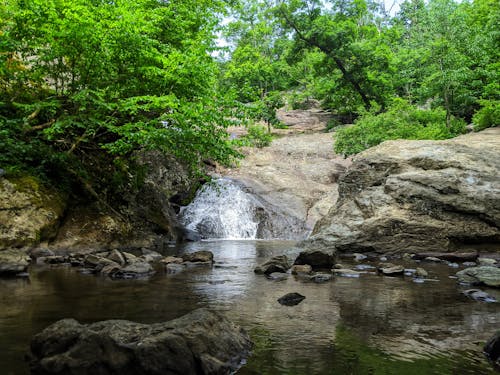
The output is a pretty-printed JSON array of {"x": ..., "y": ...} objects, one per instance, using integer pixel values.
[{"x": 366, "y": 325}]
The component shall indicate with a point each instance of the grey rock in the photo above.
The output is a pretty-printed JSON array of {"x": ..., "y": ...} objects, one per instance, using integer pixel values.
[
  {"x": 321, "y": 277},
  {"x": 277, "y": 276},
  {"x": 301, "y": 269},
  {"x": 389, "y": 269},
  {"x": 201, "y": 342},
  {"x": 420, "y": 272},
  {"x": 479, "y": 295},
  {"x": 278, "y": 263},
  {"x": 40, "y": 252},
  {"x": 134, "y": 270},
  {"x": 416, "y": 196},
  {"x": 486, "y": 275},
  {"x": 13, "y": 261},
  {"x": 198, "y": 256},
  {"x": 291, "y": 299},
  {"x": 117, "y": 256},
  {"x": 492, "y": 349},
  {"x": 171, "y": 259},
  {"x": 487, "y": 261},
  {"x": 316, "y": 259},
  {"x": 344, "y": 272}
]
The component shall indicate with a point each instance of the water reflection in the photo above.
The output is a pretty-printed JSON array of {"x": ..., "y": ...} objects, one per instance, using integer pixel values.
[{"x": 368, "y": 325}]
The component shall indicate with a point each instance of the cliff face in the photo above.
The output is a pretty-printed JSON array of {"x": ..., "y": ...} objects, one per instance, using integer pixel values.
[
  {"x": 412, "y": 196},
  {"x": 31, "y": 213}
]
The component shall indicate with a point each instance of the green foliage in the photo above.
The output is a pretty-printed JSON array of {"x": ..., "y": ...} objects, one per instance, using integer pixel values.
[
  {"x": 84, "y": 83},
  {"x": 488, "y": 115},
  {"x": 257, "y": 136},
  {"x": 401, "y": 121}
]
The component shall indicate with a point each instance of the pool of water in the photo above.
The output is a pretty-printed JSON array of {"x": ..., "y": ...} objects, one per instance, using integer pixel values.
[{"x": 366, "y": 325}]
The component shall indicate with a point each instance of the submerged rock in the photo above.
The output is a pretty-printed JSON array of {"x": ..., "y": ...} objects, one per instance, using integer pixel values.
[
  {"x": 301, "y": 269},
  {"x": 479, "y": 295},
  {"x": 277, "y": 276},
  {"x": 291, "y": 299},
  {"x": 201, "y": 342},
  {"x": 486, "y": 275},
  {"x": 13, "y": 261},
  {"x": 344, "y": 272},
  {"x": 278, "y": 263},
  {"x": 416, "y": 196},
  {"x": 321, "y": 277},
  {"x": 316, "y": 259}
]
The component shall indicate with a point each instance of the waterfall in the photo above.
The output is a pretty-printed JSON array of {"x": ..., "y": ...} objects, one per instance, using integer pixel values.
[{"x": 221, "y": 209}]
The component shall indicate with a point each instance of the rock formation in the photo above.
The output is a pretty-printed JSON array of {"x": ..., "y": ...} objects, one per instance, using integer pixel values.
[
  {"x": 202, "y": 342},
  {"x": 416, "y": 196}
]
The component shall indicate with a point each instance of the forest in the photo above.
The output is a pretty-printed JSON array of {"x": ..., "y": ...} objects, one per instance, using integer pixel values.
[{"x": 84, "y": 85}]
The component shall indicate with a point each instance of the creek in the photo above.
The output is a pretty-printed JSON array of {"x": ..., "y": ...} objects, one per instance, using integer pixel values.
[{"x": 366, "y": 325}]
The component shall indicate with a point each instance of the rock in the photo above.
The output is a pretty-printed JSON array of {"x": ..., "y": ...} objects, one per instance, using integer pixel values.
[
  {"x": 201, "y": 342},
  {"x": 417, "y": 196},
  {"x": 321, "y": 277},
  {"x": 487, "y": 261},
  {"x": 150, "y": 256},
  {"x": 492, "y": 349},
  {"x": 129, "y": 258},
  {"x": 338, "y": 266},
  {"x": 479, "y": 295},
  {"x": 486, "y": 275},
  {"x": 40, "y": 252},
  {"x": 171, "y": 259},
  {"x": 117, "y": 256},
  {"x": 453, "y": 264},
  {"x": 469, "y": 264},
  {"x": 190, "y": 235},
  {"x": 364, "y": 267},
  {"x": 174, "y": 268},
  {"x": 278, "y": 263},
  {"x": 30, "y": 212},
  {"x": 301, "y": 269},
  {"x": 359, "y": 257},
  {"x": 420, "y": 272},
  {"x": 407, "y": 256},
  {"x": 291, "y": 299},
  {"x": 110, "y": 269},
  {"x": 13, "y": 261},
  {"x": 97, "y": 262},
  {"x": 433, "y": 259},
  {"x": 277, "y": 276},
  {"x": 199, "y": 256},
  {"x": 344, "y": 272},
  {"x": 134, "y": 270},
  {"x": 316, "y": 259},
  {"x": 54, "y": 259},
  {"x": 389, "y": 269},
  {"x": 452, "y": 257}
]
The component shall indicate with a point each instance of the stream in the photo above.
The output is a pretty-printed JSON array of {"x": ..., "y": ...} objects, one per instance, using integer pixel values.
[{"x": 366, "y": 325}]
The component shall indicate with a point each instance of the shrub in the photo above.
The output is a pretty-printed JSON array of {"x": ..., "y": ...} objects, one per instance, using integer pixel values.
[
  {"x": 487, "y": 116},
  {"x": 401, "y": 121}
]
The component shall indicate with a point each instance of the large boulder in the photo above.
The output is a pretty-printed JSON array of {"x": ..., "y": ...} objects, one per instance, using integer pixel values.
[
  {"x": 416, "y": 196},
  {"x": 202, "y": 342},
  {"x": 29, "y": 211},
  {"x": 279, "y": 263},
  {"x": 486, "y": 275},
  {"x": 316, "y": 259}
]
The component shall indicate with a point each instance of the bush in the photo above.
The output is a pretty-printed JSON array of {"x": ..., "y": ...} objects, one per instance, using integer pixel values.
[
  {"x": 487, "y": 116},
  {"x": 401, "y": 121}
]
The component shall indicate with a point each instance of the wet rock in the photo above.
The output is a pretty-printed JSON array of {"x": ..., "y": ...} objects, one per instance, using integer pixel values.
[
  {"x": 359, "y": 257},
  {"x": 492, "y": 349},
  {"x": 150, "y": 256},
  {"x": 316, "y": 259},
  {"x": 479, "y": 295},
  {"x": 469, "y": 264},
  {"x": 364, "y": 267},
  {"x": 117, "y": 256},
  {"x": 278, "y": 263},
  {"x": 433, "y": 259},
  {"x": 171, "y": 259},
  {"x": 291, "y": 299},
  {"x": 301, "y": 269},
  {"x": 451, "y": 257},
  {"x": 486, "y": 275},
  {"x": 201, "y": 342},
  {"x": 344, "y": 272},
  {"x": 420, "y": 272},
  {"x": 277, "y": 276},
  {"x": 173, "y": 268},
  {"x": 338, "y": 266},
  {"x": 96, "y": 262},
  {"x": 110, "y": 269},
  {"x": 487, "y": 261},
  {"x": 53, "y": 259},
  {"x": 13, "y": 261},
  {"x": 389, "y": 269},
  {"x": 199, "y": 256},
  {"x": 321, "y": 277},
  {"x": 134, "y": 270},
  {"x": 453, "y": 264},
  {"x": 416, "y": 196},
  {"x": 129, "y": 258},
  {"x": 40, "y": 252},
  {"x": 190, "y": 235}
]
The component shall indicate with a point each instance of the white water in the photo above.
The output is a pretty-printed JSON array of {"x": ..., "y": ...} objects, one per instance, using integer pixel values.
[{"x": 221, "y": 209}]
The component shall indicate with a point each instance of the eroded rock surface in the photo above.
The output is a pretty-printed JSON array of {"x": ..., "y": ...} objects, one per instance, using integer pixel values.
[
  {"x": 416, "y": 196},
  {"x": 202, "y": 342}
]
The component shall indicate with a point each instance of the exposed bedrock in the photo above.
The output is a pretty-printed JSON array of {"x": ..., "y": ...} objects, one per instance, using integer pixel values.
[{"x": 416, "y": 196}]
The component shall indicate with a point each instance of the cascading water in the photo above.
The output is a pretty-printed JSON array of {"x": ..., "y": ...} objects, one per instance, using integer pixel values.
[{"x": 221, "y": 209}]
